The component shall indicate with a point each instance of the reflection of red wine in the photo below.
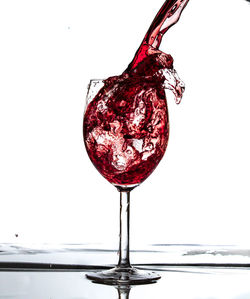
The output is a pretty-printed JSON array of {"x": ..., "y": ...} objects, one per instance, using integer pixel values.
[{"x": 126, "y": 125}]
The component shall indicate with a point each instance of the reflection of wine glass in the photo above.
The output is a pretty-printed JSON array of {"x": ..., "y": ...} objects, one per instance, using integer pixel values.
[
  {"x": 125, "y": 148},
  {"x": 123, "y": 292}
]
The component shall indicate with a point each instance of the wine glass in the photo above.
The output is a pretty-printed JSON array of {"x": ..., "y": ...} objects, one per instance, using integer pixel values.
[
  {"x": 125, "y": 145},
  {"x": 126, "y": 129}
]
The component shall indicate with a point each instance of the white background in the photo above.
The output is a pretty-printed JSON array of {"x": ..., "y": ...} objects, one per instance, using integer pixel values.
[{"x": 50, "y": 191}]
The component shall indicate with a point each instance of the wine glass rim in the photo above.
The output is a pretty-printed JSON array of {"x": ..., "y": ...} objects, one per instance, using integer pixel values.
[
  {"x": 91, "y": 81},
  {"x": 93, "y": 84}
]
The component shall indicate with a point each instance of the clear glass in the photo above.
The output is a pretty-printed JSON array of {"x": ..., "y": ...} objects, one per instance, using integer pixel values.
[{"x": 123, "y": 273}]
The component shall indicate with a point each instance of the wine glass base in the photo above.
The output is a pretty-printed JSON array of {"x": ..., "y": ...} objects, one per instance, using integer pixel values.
[{"x": 124, "y": 276}]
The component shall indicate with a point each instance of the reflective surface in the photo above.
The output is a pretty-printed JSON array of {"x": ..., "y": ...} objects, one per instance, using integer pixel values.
[
  {"x": 47, "y": 271},
  {"x": 98, "y": 255},
  {"x": 175, "y": 283}
]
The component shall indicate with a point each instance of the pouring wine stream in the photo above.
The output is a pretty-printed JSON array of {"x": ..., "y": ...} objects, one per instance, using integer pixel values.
[{"x": 167, "y": 16}]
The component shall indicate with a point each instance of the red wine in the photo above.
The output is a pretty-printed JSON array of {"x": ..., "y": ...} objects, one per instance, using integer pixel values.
[{"x": 126, "y": 125}]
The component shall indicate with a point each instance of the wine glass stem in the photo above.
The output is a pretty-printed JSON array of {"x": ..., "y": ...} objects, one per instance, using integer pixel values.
[{"x": 124, "y": 230}]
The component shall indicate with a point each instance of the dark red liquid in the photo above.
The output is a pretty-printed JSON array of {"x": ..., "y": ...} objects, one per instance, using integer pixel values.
[{"x": 126, "y": 125}]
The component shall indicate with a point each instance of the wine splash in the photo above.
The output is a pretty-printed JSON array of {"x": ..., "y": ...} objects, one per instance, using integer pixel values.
[
  {"x": 167, "y": 16},
  {"x": 126, "y": 126}
]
